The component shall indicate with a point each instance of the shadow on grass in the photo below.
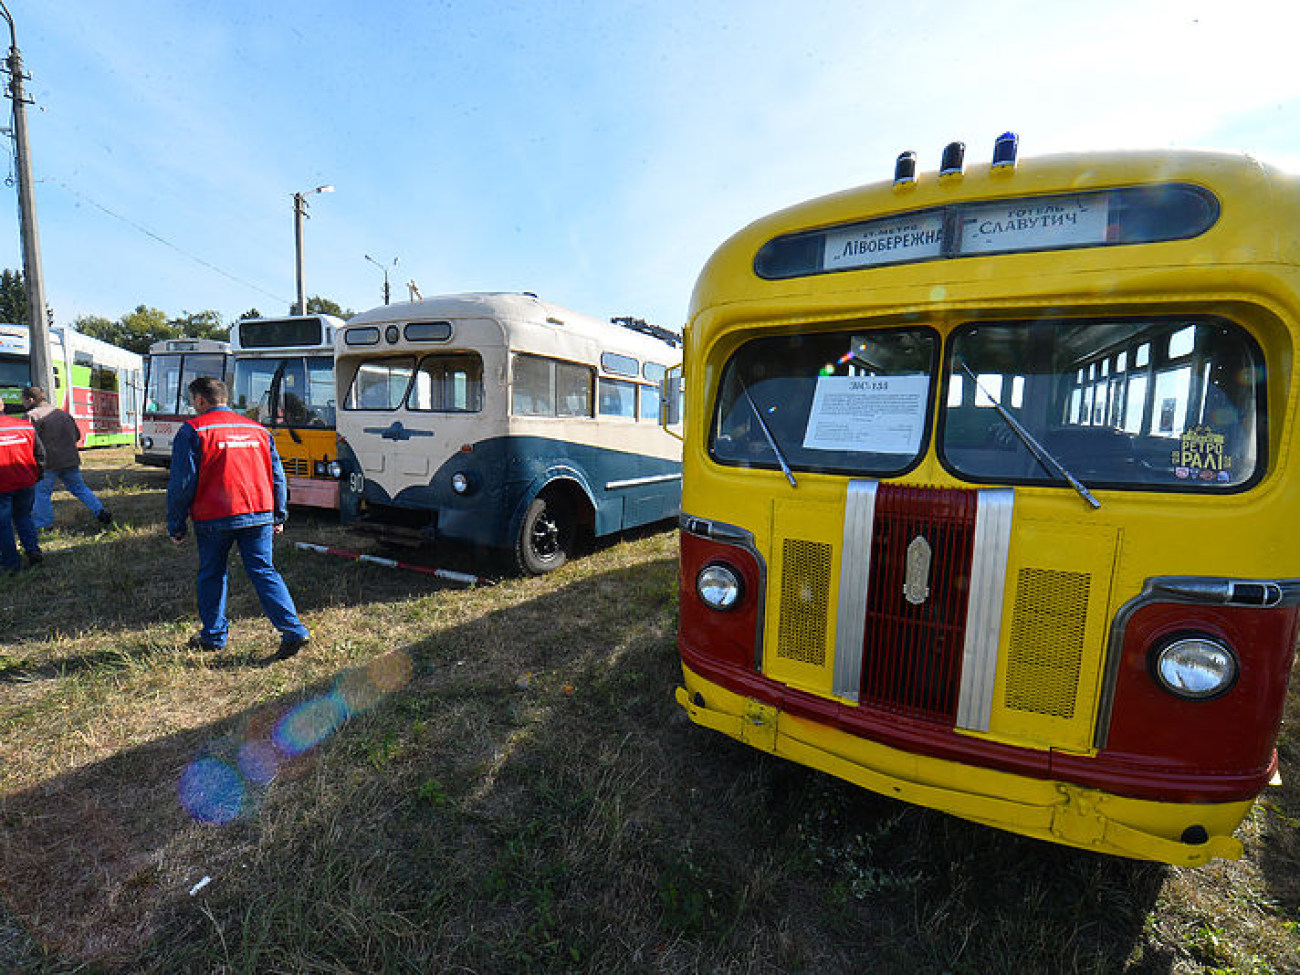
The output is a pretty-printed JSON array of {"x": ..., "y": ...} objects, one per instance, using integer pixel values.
[
  {"x": 133, "y": 577},
  {"x": 522, "y": 794}
]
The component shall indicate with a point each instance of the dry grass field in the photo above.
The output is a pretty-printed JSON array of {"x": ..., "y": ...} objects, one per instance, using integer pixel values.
[{"x": 496, "y": 780}]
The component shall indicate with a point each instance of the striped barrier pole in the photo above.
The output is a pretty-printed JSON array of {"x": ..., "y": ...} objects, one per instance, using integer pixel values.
[{"x": 462, "y": 577}]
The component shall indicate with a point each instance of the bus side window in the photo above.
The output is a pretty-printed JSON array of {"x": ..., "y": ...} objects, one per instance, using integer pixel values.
[
  {"x": 617, "y": 398},
  {"x": 531, "y": 391},
  {"x": 648, "y": 403},
  {"x": 573, "y": 389}
]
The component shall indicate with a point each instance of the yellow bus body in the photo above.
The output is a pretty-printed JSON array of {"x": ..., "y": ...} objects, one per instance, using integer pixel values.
[
  {"x": 1243, "y": 269},
  {"x": 301, "y": 456}
]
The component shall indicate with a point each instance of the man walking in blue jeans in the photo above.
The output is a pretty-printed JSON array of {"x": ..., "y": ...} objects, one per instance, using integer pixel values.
[
  {"x": 60, "y": 435},
  {"x": 226, "y": 477},
  {"x": 21, "y": 456}
]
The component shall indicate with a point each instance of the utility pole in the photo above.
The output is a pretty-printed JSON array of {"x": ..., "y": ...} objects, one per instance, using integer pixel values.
[
  {"x": 299, "y": 215},
  {"x": 37, "y": 327}
]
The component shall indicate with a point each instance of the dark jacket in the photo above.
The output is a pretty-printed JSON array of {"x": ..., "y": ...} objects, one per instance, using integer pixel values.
[{"x": 58, "y": 432}]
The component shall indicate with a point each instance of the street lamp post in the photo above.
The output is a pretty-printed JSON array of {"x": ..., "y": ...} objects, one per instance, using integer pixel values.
[
  {"x": 37, "y": 327},
  {"x": 384, "y": 268},
  {"x": 299, "y": 214}
]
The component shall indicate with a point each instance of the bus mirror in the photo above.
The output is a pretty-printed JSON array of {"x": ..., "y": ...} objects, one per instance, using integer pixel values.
[{"x": 670, "y": 397}]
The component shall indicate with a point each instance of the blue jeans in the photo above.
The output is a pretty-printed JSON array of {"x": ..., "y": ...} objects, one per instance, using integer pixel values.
[
  {"x": 16, "y": 512},
  {"x": 255, "y": 549},
  {"x": 72, "y": 480}
]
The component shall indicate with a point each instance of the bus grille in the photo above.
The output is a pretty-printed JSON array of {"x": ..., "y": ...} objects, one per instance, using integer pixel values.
[
  {"x": 1046, "y": 647},
  {"x": 805, "y": 591},
  {"x": 912, "y": 651},
  {"x": 296, "y": 467}
]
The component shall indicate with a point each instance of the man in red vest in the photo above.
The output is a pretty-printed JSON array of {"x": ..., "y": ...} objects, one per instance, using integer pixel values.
[
  {"x": 226, "y": 477},
  {"x": 22, "y": 457}
]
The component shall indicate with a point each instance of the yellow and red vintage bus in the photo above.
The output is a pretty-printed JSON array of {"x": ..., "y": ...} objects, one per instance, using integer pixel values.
[
  {"x": 989, "y": 480},
  {"x": 284, "y": 378}
]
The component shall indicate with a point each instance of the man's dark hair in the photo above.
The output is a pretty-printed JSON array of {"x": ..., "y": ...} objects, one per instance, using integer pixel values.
[
  {"x": 35, "y": 394},
  {"x": 212, "y": 390}
]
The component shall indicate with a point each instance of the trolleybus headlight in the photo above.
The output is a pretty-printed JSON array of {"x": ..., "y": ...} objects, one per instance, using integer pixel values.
[
  {"x": 1195, "y": 667},
  {"x": 334, "y": 469},
  {"x": 460, "y": 482},
  {"x": 147, "y": 443},
  {"x": 719, "y": 586}
]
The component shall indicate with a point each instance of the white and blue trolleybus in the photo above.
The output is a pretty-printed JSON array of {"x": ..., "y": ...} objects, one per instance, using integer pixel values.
[{"x": 504, "y": 421}]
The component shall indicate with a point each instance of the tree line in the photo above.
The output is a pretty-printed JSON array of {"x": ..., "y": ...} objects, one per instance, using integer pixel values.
[{"x": 145, "y": 325}]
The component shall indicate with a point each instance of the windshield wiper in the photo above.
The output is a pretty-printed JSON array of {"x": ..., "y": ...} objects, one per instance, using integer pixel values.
[
  {"x": 1041, "y": 453},
  {"x": 771, "y": 441}
]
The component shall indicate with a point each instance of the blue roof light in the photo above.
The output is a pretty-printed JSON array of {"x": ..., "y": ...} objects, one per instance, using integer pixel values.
[{"x": 1004, "y": 150}]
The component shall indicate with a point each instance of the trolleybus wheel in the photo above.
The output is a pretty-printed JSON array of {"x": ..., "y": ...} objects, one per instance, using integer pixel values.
[{"x": 546, "y": 537}]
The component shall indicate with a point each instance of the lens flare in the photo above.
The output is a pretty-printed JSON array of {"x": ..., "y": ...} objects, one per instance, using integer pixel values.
[
  {"x": 274, "y": 743},
  {"x": 362, "y": 688},
  {"x": 211, "y": 791},
  {"x": 309, "y": 724},
  {"x": 391, "y": 672},
  {"x": 258, "y": 761}
]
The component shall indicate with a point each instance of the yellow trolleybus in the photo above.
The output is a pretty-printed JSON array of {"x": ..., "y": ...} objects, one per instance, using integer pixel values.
[
  {"x": 988, "y": 491},
  {"x": 284, "y": 378}
]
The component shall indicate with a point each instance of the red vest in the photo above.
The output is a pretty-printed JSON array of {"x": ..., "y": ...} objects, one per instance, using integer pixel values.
[
  {"x": 234, "y": 466},
  {"x": 18, "y": 467}
]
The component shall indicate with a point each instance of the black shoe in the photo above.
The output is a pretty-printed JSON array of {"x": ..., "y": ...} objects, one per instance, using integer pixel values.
[
  {"x": 35, "y": 557},
  {"x": 291, "y": 645},
  {"x": 105, "y": 517},
  {"x": 197, "y": 642}
]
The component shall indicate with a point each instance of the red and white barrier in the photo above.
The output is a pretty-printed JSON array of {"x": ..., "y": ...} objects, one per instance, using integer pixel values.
[{"x": 448, "y": 574}]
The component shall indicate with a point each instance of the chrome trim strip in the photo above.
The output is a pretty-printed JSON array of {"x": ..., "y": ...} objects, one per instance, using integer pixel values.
[
  {"x": 855, "y": 576},
  {"x": 639, "y": 481},
  {"x": 743, "y": 539},
  {"x": 1193, "y": 590},
  {"x": 988, "y": 583}
]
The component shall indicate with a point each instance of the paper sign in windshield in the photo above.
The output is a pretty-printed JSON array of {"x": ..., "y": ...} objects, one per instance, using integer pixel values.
[
  {"x": 876, "y": 414},
  {"x": 1061, "y": 221}
]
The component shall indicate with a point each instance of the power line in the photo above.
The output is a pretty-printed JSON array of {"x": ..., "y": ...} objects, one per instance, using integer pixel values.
[{"x": 162, "y": 240}]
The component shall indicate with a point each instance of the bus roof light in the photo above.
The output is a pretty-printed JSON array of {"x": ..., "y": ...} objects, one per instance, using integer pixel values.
[
  {"x": 1005, "y": 147},
  {"x": 954, "y": 154},
  {"x": 905, "y": 168}
]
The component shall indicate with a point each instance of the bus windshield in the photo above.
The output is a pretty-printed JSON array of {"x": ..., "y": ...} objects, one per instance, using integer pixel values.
[
  {"x": 303, "y": 389},
  {"x": 15, "y": 371},
  {"x": 1167, "y": 403},
  {"x": 853, "y": 401},
  {"x": 170, "y": 375}
]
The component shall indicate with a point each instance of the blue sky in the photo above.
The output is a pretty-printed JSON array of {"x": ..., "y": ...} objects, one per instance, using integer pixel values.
[{"x": 592, "y": 152}]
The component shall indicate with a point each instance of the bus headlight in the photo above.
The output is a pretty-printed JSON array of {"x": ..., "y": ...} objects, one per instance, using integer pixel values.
[
  {"x": 331, "y": 469},
  {"x": 719, "y": 586},
  {"x": 460, "y": 482},
  {"x": 1195, "y": 667},
  {"x": 147, "y": 443}
]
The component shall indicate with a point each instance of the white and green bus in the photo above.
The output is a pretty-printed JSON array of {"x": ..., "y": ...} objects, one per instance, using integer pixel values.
[{"x": 99, "y": 384}]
